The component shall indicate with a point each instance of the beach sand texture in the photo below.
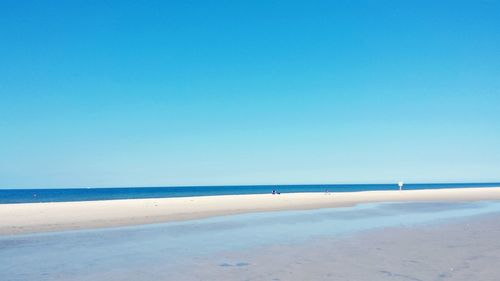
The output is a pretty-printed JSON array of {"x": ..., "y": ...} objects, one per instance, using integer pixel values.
[{"x": 46, "y": 217}]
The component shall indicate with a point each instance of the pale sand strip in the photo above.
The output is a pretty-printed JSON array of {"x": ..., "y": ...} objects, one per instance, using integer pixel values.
[{"x": 43, "y": 217}]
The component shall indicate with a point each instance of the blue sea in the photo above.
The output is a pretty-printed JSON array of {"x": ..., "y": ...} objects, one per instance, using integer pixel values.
[{"x": 8, "y": 196}]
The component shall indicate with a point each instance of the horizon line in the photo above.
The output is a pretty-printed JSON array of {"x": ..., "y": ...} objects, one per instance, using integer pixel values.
[{"x": 247, "y": 185}]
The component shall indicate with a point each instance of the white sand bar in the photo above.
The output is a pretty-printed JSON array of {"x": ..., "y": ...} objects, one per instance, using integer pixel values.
[{"x": 43, "y": 217}]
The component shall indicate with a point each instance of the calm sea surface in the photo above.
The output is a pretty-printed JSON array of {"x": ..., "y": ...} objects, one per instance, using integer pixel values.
[{"x": 90, "y": 194}]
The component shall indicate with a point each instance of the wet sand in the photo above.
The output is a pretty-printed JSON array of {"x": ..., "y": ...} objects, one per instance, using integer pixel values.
[
  {"x": 460, "y": 250},
  {"x": 47, "y": 217}
]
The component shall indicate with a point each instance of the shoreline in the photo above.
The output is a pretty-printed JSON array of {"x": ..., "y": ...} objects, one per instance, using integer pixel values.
[{"x": 24, "y": 218}]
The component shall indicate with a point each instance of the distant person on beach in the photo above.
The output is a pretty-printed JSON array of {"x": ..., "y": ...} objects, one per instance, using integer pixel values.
[
  {"x": 274, "y": 191},
  {"x": 400, "y": 184}
]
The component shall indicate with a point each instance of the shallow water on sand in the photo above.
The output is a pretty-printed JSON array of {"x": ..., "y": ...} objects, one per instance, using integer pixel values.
[{"x": 163, "y": 251}]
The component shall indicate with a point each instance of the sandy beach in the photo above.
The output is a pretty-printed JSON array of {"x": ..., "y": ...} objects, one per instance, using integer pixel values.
[
  {"x": 387, "y": 241},
  {"x": 47, "y": 217}
]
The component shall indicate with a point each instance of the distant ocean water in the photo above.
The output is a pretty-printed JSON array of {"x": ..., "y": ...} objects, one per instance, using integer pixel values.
[{"x": 9, "y": 196}]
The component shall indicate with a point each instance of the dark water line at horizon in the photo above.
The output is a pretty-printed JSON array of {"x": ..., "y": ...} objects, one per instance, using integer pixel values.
[{"x": 11, "y": 196}]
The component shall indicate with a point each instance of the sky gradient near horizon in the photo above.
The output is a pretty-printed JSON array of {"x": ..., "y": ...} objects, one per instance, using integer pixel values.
[{"x": 158, "y": 93}]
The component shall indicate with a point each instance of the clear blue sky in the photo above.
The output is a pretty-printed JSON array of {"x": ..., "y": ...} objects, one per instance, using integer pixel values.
[{"x": 149, "y": 93}]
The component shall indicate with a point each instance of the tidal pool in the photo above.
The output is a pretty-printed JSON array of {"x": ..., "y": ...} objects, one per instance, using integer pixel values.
[{"x": 160, "y": 251}]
